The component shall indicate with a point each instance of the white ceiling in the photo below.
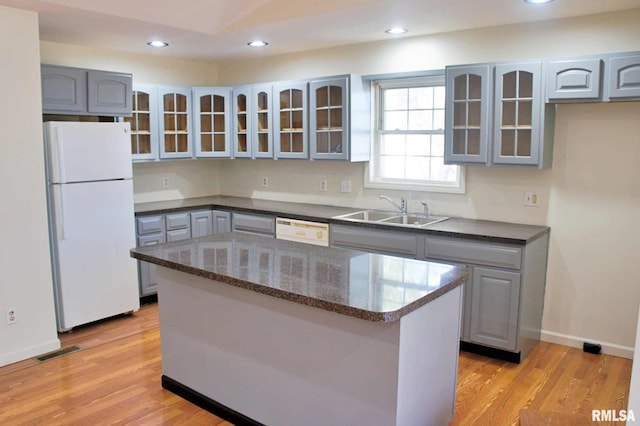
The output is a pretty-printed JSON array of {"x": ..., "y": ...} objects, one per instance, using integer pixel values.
[{"x": 218, "y": 30}]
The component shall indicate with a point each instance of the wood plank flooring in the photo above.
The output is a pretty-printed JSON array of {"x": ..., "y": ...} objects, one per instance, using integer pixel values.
[{"x": 115, "y": 379}]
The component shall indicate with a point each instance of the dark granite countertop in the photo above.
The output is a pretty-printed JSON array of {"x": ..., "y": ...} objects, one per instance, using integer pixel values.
[
  {"x": 363, "y": 285},
  {"x": 484, "y": 230}
]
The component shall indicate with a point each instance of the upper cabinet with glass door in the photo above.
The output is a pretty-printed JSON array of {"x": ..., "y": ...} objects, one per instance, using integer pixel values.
[
  {"x": 339, "y": 119},
  {"x": 144, "y": 123},
  {"x": 175, "y": 122},
  {"x": 523, "y": 124},
  {"x": 467, "y": 114},
  {"x": 212, "y": 132},
  {"x": 291, "y": 138},
  {"x": 252, "y": 111}
]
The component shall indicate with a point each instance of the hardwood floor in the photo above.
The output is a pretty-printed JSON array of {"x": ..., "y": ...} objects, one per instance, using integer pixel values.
[{"x": 114, "y": 378}]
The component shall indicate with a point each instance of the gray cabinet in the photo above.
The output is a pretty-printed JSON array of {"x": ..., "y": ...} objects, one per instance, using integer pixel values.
[
  {"x": 495, "y": 303},
  {"x": 574, "y": 80},
  {"x": 67, "y": 90},
  {"x": 383, "y": 241},
  {"x": 518, "y": 130},
  {"x": 144, "y": 122},
  {"x": 468, "y": 114},
  {"x": 150, "y": 230},
  {"x": 291, "y": 133},
  {"x": 212, "y": 122},
  {"x": 174, "y": 114},
  {"x": 623, "y": 77},
  {"x": 161, "y": 228},
  {"x": 221, "y": 221},
  {"x": 253, "y": 132},
  {"x": 503, "y": 300},
  {"x": 339, "y": 119},
  {"x": 252, "y": 223}
]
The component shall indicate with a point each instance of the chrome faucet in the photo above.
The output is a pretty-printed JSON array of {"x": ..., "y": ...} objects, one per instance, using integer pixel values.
[
  {"x": 426, "y": 208},
  {"x": 403, "y": 203}
]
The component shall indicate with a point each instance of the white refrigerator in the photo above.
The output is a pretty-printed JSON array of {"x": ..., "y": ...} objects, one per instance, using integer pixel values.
[{"x": 91, "y": 220}]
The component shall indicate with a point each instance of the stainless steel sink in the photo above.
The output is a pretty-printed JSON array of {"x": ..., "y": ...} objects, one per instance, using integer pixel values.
[{"x": 391, "y": 218}]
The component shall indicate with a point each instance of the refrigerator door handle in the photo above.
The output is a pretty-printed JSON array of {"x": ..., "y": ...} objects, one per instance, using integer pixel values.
[
  {"x": 59, "y": 211},
  {"x": 60, "y": 152}
]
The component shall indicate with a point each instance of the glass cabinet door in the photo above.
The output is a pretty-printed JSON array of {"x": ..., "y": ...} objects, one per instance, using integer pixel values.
[
  {"x": 175, "y": 122},
  {"x": 291, "y": 132},
  {"x": 211, "y": 107},
  {"x": 517, "y": 114},
  {"x": 467, "y": 115},
  {"x": 242, "y": 123},
  {"x": 329, "y": 119},
  {"x": 143, "y": 120},
  {"x": 262, "y": 136}
]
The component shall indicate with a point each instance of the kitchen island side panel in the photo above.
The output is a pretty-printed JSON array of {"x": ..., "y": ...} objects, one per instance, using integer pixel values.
[{"x": 283, "y": 363}]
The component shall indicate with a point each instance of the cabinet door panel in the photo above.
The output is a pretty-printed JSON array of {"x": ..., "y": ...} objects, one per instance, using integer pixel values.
[
  {"x": 221, "y": 221},
  {"x": 201, "y": 223},
  {"x": 624, "y": 77},
  {"x": 517, "y": 114},
  {"x": 109, "y": 93},
  {"x": 148, "y": 281},
  {"x": 178, "y": 235},
  {"x": 379, "y": 241},
  {"x": 177, "y": 221},
  {"x": 467, "y": 115},
  {"x": 212, "y": 130},
  {"x": 63, "y": 89},
  {"x": 329, "y": 119},
  {"x": 494, "y": 308},
  {"x": 574, "y": 79}
]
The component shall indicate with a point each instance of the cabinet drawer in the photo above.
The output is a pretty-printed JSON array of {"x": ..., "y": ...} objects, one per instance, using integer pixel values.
[
  {"x": 178, "y": 235},
  {"x": 151, "y": 239},
  {"x": 150, "y": 224},
  {"x": 254, "y": 223},
  {"x": 398, "y": 243},
  {"x": 177, "y": 221},
  {"x": 502, "y": 256}
]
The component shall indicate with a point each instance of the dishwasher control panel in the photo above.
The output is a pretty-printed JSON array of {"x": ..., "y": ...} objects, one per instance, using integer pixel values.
[{"x": 302, "y": 231}]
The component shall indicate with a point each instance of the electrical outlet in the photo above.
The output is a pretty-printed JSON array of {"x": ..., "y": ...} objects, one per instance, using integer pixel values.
[
  {"x": 165, "y": 182},
  {"x": 323, "y": 185},
  {"x": 345, "y": 186},
  {"x": 531, "y": 199},
  {"x": 264, "y": 181},
  {"x": 12, "y": 316}
]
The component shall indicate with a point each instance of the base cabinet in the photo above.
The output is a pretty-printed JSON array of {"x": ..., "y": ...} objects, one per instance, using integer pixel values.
[
  {"x": 503, "y": 301},
  {"x": 495, "y": 301},
  {"x": 160, "y": 228}
]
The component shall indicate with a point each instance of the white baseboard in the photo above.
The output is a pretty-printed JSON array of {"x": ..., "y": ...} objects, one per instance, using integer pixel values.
[
  {"x": 577, "y": 342},
  {"x": 26, "y": 353}
]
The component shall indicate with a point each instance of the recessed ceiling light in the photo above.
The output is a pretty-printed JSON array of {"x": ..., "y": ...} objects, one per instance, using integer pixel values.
[
  {"x": 537, "y": 1},
  {"x": 257, "y": 43},
  {"x": 396, "y": 30},
  {"x": 158, "y": 43}
]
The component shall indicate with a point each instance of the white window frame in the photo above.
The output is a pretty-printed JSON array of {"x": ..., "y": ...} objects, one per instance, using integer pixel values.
[{"x": 372, "y": 178}]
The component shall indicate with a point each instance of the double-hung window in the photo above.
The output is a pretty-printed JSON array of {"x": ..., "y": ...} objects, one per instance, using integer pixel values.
[{"x": 408, "y": 137}]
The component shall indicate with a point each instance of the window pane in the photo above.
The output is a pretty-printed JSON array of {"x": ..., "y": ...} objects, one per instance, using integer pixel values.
[
  {"x": 392, "y": 145},
  {"x": 421, "y": 120},
  {"x": 395, "y": 120},
  {"x": 439, "y": 94},
  {"x": 438, "y": 119},
  {"x": 441, "y": 172},
  {"x": 392, "y": 167},
  {"x": 417, "y": 168},
  {"x": 437, "y": 145},
  {"x": 418, "y": 145},
  {"x": 421, "y": 98},
  {"x": 395, "y": 99}
]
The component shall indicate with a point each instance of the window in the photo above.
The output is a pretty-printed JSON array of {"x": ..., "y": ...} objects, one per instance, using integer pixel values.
[{"x": 408, "y": 139}]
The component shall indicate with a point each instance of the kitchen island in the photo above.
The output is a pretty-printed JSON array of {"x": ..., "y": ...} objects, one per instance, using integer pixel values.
[{"x": 265, "y": 331}]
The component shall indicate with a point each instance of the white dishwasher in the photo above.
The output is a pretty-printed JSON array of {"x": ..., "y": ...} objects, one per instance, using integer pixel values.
[{"x": 302, "y": 231}]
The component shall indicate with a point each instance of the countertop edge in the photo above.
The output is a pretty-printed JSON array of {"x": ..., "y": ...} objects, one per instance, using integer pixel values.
[
  {"x": 372, "y": 316},
  {"x": 211, "y": 203}
]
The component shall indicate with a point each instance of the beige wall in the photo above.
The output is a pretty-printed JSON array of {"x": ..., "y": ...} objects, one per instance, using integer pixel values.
[
  {"x": 587, "y": 197},
  {"x": 25, "y": 281}
]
